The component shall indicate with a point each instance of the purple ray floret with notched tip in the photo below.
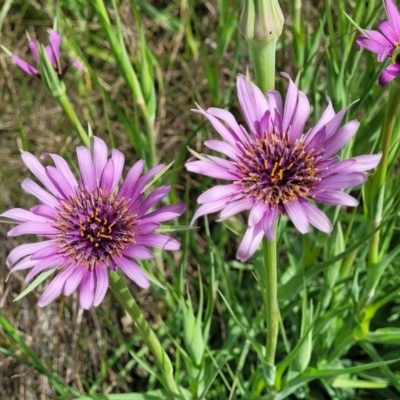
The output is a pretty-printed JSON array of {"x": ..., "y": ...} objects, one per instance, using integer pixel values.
[
  {"x": 384, "y": 43},
  {"x": 53, "y": 53},
  {"x": 91, "y": 226},
  {"x": 276, "y": 168}
]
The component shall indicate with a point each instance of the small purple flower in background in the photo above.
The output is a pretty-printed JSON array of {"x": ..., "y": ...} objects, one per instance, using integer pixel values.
[
  {"x": 90, "y": 226},
  {"x": 386, "y": 43},
  {"x": 275, "y": 168},
  {"x": 53, "y": 53}
]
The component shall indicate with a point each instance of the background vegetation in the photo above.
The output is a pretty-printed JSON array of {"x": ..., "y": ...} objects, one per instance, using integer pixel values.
[{"x": 184, "y": 52}]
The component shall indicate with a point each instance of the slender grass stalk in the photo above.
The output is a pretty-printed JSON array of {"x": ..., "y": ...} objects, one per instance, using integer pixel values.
[
  {"x": 124, "y": 296},
  {"x": 70, "y": 112}
]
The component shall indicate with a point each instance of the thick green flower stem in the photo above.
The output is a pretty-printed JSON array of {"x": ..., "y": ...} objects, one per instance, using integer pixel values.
[
  {"x": 377, "y": 194},
  {"x": 270, "y": 297},
  {"x": 124, "y": 296},
  {"x": 69, "y": 110},
  {"x": 263, "y": 58}
]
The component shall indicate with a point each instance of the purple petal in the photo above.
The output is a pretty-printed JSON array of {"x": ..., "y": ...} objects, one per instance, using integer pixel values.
[
  {"x": 86, "y": 167},
  {"x": 34, "y": 50},
  {"x": 53, "y": 261},
  {"x": 39, "y": 171},
  {"x": 87, "y": 290},
  {"x": 290, "y": 103},
  {"x": 230, "y": 120},
  {"x": 126, "y": 189},
  {"x": 218, "y": 192},
  {"x": 225, "y": 132},
  {"x": 333, "y": 125},
  {"x": 19, "y": 214},
  {"x": 388, "y": 74},
  {"x": 154, "y": 197},
  {"x": 252, "y": 102},
  {"x": 133, "y": 271},
  {"x": 236, "y": 207},
  {"x": 393, "y": 16},
  {"x": 389, "y": 33},
  {"x": 101, "y": 284},
  {"x": 342, "y": 181},
  {"x": 45, "y": 211},
  {"x": 165, "y": 213},
  {"x": 23, "y": 264},
  {"x": 275, "y": 101},
  {"x": 25, "y": 250},
  {"x": 74, "y": 280},
  {"x": 47, "y": 251},
  {"x": 223, "y": 147},
  {"x": 138, "y": 252},
  {"x": 53, "y": 49},
  {"x": 107, "y": 177},
  {"x": 33, "y": 228},
  {"x": 301, "y": 116},
  {"x": 99, "y": 157},
  {"x": 64, "y": 187},
  {"x": 250, "y": 242},
  {"x": 327, "y": 116},
  {"x": 55, "y": 288},
  {"x": 340, "y": 138},
  {"x": 335, "y": 197},
  {"x": 63, "y": 167},
  {"x": 374, "y": 42},
  {"x": 317, "y": 217},
  {"x": 26, "y": 67},
  {"x": 142, "y": 182},
  {"x": 158, "y": 240},
  {"x": 209, "y": 208},
  {"x": 365, "y": 163},
  {"x": 298, "y": 216},
  {"x": 210, "y": 169},
  {"x": 145, "y": 228},
  {"x": 257, "y": 212},
  {"x": 33, "y": 188},
  {"x": 118, "y": 160},
  {"x": 268, "y": 223}
]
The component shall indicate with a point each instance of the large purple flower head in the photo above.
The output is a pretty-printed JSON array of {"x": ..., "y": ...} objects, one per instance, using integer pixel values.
[
  {"x": 90, "y": 226},
  {"x": 53, "y": 53},
  {"x": 276, "y": 168},
  {"x": 385, "y": 44}
]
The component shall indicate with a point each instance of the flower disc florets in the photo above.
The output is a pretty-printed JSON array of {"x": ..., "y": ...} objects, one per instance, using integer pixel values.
[
  {"x": 276, "y": 170},
  {"x": 274, "y": 167},
  {"x": 92, "y": 226},
  {"x": 95, "y": 227}
]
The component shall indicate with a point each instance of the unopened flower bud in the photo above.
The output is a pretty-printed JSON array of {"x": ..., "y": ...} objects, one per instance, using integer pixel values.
[{"x": 261, "y": 21}]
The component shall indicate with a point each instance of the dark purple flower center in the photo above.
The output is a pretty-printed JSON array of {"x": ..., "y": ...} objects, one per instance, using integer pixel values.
[
  {"x": 93, "y": 227},
  {"x": 277, "y": 170}
]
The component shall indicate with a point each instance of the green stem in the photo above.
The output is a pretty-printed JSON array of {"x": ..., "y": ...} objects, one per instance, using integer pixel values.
[
  {"x": 377, "y": 195},
  {"x": 69, "y": 110},
  {"x": 263, "y": 57},
  {"x": 124, "y": 296},
  {"x": 386, "y": 136},
  {"x": 270, "y": 297}
]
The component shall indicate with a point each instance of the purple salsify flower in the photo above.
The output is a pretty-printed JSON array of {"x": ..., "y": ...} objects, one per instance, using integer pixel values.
[
  {"x": 53, "y": 53},
  {"x": 91, "y": 226},
  {"x": 386, "y": 43},
  {"x": 275, "y": 168}
]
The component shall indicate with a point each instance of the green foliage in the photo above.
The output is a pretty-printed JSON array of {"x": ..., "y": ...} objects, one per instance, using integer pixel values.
[{"x": 146, "y": 64}]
